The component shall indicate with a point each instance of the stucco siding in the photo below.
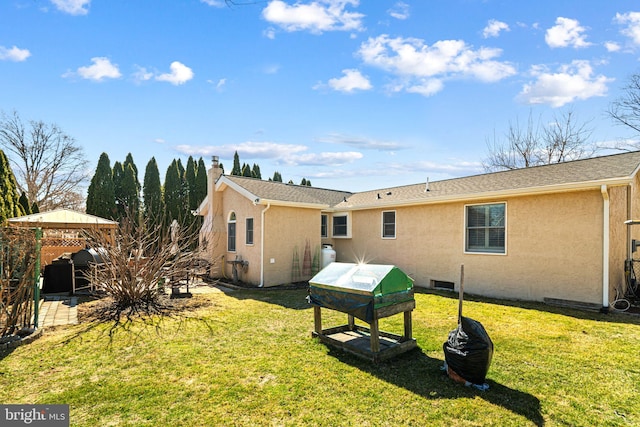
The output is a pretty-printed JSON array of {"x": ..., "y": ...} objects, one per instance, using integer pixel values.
[
  {"x": 243, "y": 208},
  {"x": 545, "y": 257},
  {"x": 287, "y": 231}
]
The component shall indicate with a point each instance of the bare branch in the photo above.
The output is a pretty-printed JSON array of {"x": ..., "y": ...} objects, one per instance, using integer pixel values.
[{"x": 49, "y": 165}]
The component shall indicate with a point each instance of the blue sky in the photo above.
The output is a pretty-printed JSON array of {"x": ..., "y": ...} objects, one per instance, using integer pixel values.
[{"x": 353, "y": 95}]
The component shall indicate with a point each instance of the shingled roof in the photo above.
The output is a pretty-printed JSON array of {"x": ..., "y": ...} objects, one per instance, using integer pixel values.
[
  {"x": 618, "y": 169},
  {"x": 273, "y": 191}
]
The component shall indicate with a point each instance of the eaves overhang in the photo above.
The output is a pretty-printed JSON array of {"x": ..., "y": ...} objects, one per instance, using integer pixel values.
[{"x": 485, "y": 195}]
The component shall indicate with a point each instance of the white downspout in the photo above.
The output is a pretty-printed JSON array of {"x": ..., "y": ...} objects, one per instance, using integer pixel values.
[
  {"x": 262, "y": 244},
  {"x": 605, "y": 249}
]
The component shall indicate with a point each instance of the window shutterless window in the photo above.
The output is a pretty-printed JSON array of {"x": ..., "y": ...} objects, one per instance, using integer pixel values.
[
  {"x": 340, "y": 226},
  {"x": 389, "y": 225},
  {"x": 231, "y": 232},
  {"x": 323, "y": 226},
  {"x": 249, "y": 231},
  {"x": 485, "y": 228}
]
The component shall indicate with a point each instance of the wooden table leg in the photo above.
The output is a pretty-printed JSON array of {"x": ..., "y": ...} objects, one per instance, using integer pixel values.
[
  {"x": 317, "y": 319},
  {"x": 408, "y": 326},
  {"x": 375, "y": 335}
]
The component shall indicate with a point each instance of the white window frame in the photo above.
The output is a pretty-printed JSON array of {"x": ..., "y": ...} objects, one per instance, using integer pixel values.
[
  {"x": 348, "y": 225},
  {"x": 232, "y": 219},
  {"x": 395, "y": 224},
  {"x": 325, "y": 232},
  {"x": 466, "y": 230},
  {"x": 247, "y": 230}
]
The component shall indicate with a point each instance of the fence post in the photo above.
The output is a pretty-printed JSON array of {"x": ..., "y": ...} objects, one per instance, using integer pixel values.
[{"x": 36, "y": 278}]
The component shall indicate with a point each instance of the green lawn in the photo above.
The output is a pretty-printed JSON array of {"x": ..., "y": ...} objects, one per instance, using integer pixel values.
[{"x": 247, "y": 358}]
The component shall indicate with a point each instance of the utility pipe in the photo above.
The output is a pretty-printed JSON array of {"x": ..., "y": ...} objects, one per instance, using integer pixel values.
[
  {"x": 262, "y": 227},
  {"x": 605, "y": 249}
]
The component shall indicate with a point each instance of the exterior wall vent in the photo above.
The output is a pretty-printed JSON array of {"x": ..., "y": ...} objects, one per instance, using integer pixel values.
[{"x": 441, "y": 284}]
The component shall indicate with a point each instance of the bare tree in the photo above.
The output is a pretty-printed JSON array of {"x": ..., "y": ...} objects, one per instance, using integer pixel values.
[
  {"x": 625, "y": 111},
  {"x": 49, "y": 165},
  {"x": 560, "y": 140},
  {"x": 139, "y": 261}
]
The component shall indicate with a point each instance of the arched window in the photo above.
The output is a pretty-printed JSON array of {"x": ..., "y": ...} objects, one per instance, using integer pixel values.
[{"x": 231, "y": 232}]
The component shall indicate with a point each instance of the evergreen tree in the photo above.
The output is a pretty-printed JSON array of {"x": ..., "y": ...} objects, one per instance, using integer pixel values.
[
  {"x": 304, "y": 181},
  {"x": 255, "y": 171},
  {"x": 246, "y": 171},
  {"x": 129, "y": 198},
  {"x": 237, "y": 171},
  {"x": 118, "y": 176},
  {"x": 200, "y": 191},
  {"x": 173, "y": 193},
  {"x": 101, "y": 199},
  {"x": 129, "y": 161},
  {"x": 190, "y": 178},
  {"x": 24, "y": 202},
  {"x": 277, "y": 177},
  {"x": 34, "y": 208},
  {"x": 152, "y": 194},
  {"x": 9, "y": 200}
]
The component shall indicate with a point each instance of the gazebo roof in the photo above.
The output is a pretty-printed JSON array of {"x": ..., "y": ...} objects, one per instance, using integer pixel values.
[{"x": 63, "y": 219}]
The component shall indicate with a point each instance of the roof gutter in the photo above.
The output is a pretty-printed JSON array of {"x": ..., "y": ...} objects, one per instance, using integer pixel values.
[
  {"x": 262, "y": 227},
  {"x": 520, "y": 192},
  {"x": 605, "y": 249}
]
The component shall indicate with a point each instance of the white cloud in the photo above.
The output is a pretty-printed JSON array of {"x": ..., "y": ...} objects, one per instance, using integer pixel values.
[
  {"x": 612, "y": 46},
  {"x": 253, "y": 149},
  {"x": 214, "y": 3},
  {"x": 400, "y": 10},
  {"x": 180, "y": 74},
  {"x": 323, "y": 159},
  {"x": 494, "y": 28},
  {"x": 351, "y": 81},
  {"x": 361, "y": 142},
  {"x": 269, "y": 33},
  {"x": 424, "y": 68},
  {"x": 101, "y": 69},
  {"x": 72, "y": 7},
  {"x": 632, "y": 22},
  {"x": 316, "y": 17},
  {"x": 141, "y": 74},
  {"x": 572, "y": 82},
  {"x": 566, "y": 33},
  {"x": 289, "y": 154},
  {"x": 14, "y": 54},
  {"x": 426, "y": 87}
]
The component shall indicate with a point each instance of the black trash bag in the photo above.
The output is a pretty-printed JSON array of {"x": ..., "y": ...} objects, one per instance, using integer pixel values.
[{"x": 468, "y": 351}]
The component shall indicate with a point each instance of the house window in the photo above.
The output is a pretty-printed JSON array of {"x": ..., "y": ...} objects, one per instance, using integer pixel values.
[
  {"x": 231, "y": 232},
  {"x": 485, "y": 228},
  {"x": 249, "y": 231},
  {"x": 340, "y": 228},
  {"x": 389, "y": 225},
  {"x": 323, "y": 226}
]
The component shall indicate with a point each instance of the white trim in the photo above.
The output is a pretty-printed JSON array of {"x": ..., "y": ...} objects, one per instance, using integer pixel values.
[
  {"x": 605, "y": 247},
  {"x": 464, "y": 228},
  {"x": 349, "y": 227},
  {"x": 395, "y": 225},
  {"x": 246, "y": 229}
]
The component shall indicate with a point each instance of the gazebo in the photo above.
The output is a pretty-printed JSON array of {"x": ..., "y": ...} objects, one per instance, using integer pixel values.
[{"x": 62, "y": 230}]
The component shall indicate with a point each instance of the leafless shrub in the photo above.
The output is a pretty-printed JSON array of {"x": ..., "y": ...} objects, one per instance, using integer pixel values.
[
  {"x": 139, "y": 262},
  {"x": 18, "y": 255}
]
